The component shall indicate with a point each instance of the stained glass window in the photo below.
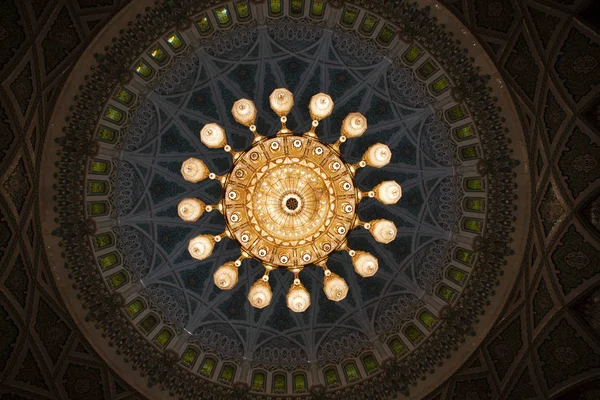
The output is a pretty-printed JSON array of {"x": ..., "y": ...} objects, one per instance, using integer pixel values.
[
  {"x": 428, "y": 68},
  {"x": 469, "y": 152},
  {"x": 475, "y": 184},
  {"x": 331, "y": 378},
  {"x": 369, "y": 23},
  {"x": 163, "y": 338},
  {"x": 474, "y": 204},
  {"x": 98, "y": 167},
  {"x": 455, "y": 113},
  {"x": 349, "y": 16},
  {"x": 428, "y": 319},
  {"x": 279, "y": 383},
  {"x": 242, "y": 10},
  {"x": 144, "y": 70},
  {"x": 102, "y": 241},
  {"x": 275, "y": 7},
  {"x": 113, "y": 114},
  {"x": 106, "y": 135},
  {"x": 386, "y": 35},
  {"x": 189, "y": 357},
  {"x": 135, "y": 308},
  {"x": 149, "y": 323},
  {"x": 222, "y": 15},
  {"x": 351, "y": 372},
  {"x": 413, "y": 54},
  {"x": 96, "y": 187},
  {"x": 258, "y": 382},
  {"x": 227, "y": 374},
  {"x": 317, "y": 8},
  {"x": 299, "y": 383},
  {"x": 413, "y": 333},
  {"x": 109, "y": 260},
  {"x": 464, "y": 256},
  {"x": 158, "y": 54},
  {"x": 440, "y": 85},
  {"x": 473, "y": 225},
  {"x": 203, "y": 24},
  {"x": 207, "y": 367},
  {"x": 370, "y": 363},
  {"x": 464, "y": 132},
  {"x": 117, "y": 280},
  {"x": 397, "y": 346},
  {"x": 446, "y": 293},
  {"x": 124, "y": 96},
  {"x": 457, "y": 275},
  {"x": 296, "y": 7},
  {"x": 97, "y": 209},
  {"x": 175, "y": 41}
]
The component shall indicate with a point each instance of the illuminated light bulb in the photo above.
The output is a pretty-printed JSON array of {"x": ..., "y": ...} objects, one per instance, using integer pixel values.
[
  {"x": 213, "y": 136},
  {"x": 388, "y": 192},
  {"x": 334, "y": 286},
  {"x": 321, "y": 106},
  {"x": 244, "y": 112},
  {"x": 201, "y": 246},
  {"x": 194, "y": 170},
  {"x": 282, "y": 101},
  {"x": 354, "y": 125},
  {"x": 383, "y": 231},
  {"x": 298, "y": 298},
  {"x": 365, "y": 264},
  {"x": 260, "y": 294},
  {"x": 190, "y": 209},
  {"x": 378, "y": 155},
  {"x": 226, "y": 276}
]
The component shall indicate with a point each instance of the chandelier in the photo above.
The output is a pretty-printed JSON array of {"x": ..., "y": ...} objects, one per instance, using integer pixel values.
[{"x": 289, "y": 200}]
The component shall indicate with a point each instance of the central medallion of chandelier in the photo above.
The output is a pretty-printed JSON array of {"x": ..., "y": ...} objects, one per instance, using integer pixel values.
[{"x": 290, "y": 200}]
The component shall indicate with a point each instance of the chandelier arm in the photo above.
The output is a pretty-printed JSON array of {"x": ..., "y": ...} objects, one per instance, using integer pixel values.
[
  {"x": 221, "y": 178},
  {"x": 257, "y": 136}
]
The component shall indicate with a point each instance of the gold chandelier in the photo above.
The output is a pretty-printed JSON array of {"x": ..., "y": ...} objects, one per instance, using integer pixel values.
[{"x": 290, "y": 200}]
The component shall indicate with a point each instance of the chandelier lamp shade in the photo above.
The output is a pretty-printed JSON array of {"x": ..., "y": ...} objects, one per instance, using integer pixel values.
[{"x": 290, "y": 200}]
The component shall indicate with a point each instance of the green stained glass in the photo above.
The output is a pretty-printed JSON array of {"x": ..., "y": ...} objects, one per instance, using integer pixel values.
[
  {"x": 473, "y": 225},
  {"x": 440, "y": 85},
  {"x": 135, "y": 308},
  {"x": 189, "y": 356},
  {"x": 113, "y": 114},
  {"x": 144, "y": 70},
  {"x": 331, "y": 378},
  {"x": 457, "y": 275},
  {"x": 207, "y": 367},
  {"x": 242, "y": 9},
  {"x": 124, "y": 96},
  {"x": 349, "y": 16},
  {"x": 370, "y": 363},
  {"x": 95, "y": 187},
  {"x": 299, "y": 383},
  {"x": 102, "y": 241},
  {"x": 427, "y": 69},
  {"x": 222, "y": 14},
  {"x": 475, "y": 184},
  {"x": 464, "y": 256},
  {"x": 351, "y": 372},
  {"x": 98, "y": 208},
  {"x": 296, "y": 6},
  {"x": 455, "y": 113},
  {"x": 413, "y": 334},
  {"x": 99, "y": 166},
  {"x": 397, "y": 346},
  {"x": 163, "y": 337},
  {"x": 275, "y": 6},
  {"x": 386, "y": 35},
  {"x": 148, "y": 323},
  {"x": 469, "y": 152},
  {"x": 279, "y": 384},
  {"x": 446, "y": 293},
  {"x": 175, "y": 41},
  {"x": 413, "y": 54},
  {"x": 369, "y": 23},
  {"x": 227, "y": 373},
  {"x": 204, "y": 24},
  {"x": 258, "y": 381},
  {"x": 106, "y": 135},
  {"x": 474, "y": 204},
  {"x": 109, "y": 260},
  {"x": 317, "y": 8},
  {"x": 428, "y": 319},
  {"x": 464, "y": 132},
  {"x": 158, "y": 54},
  {"x": 118, "y": 280}
]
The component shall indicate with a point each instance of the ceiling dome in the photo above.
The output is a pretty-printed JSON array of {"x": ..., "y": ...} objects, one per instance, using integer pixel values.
[{"x": 135, "y": 120}]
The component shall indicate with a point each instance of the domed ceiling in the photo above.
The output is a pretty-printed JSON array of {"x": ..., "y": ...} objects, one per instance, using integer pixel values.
[{"x": 458, "y": 150}]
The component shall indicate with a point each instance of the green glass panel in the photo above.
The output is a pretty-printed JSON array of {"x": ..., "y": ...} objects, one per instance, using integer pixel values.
[
  {"x": 103, "y": 240},
  {"x": 143, "y": 70},
  {"x": 275, "y": 6},
  {"x": 457, "y": 275},
  {"x": 242, "y": 9},
  {"x": 222, "y": 14},
  {"x": 331, "y": 377},
  {"x": 95, "y": 187},
  {"x": 204, "y": 24},
  {"x": 135, "y": 307},
  {"x": 369, "y": 23},
  {"x": 108, "y": 261},
  {"x": 279, "y": 384},
  {"x": 351, "y": 372},
  {"x": 413, "y": 334},
  {"x": 428, "y": 319},
  {"x": 99, "y": 166},
  {"x": 118, "y": 280},
  {"x": 427, "y": 69},
  {"x": 397, "y": 346},
  {"x": 370, "y": 363},
  {"x": 456, "y": 113},
  {"x": 299, "y": 383},
  {"x": 124, "y": 96},
  {"x": 163, "y": 338},
  {"x": 227, "y": 373},
  {"x": 446, "y": 293},
  {"x": 98, "y": 208},
  {"x": 464, "y": 256},
  {"x": 413, "y": 54},
  {"x": 474, "y": 204},
  {"x": 189, "y": 357},
  {"x": 106, "y": 135},
  {"x": 349, "y": 17},
  {"x": 473, "y": 225},
  {"x": 296, "y": 6},
  {"x": 175, "y": 41},
  {"x": 258, "y": 381},
  {"x": 469, "y": 152},
  {"x": 158, "y": 54},
  {"x": 149, "y": 323},
  {"x": 386, "y": 35},
  {"x": 475, "y": 184},
  {"x": 207, "y": 367},
  {"x": 464, "y": 132},
  {"x": 440, "y": 85},
  {"x": 112, "y": 114},
  {"x": 317, "y": 8}
]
